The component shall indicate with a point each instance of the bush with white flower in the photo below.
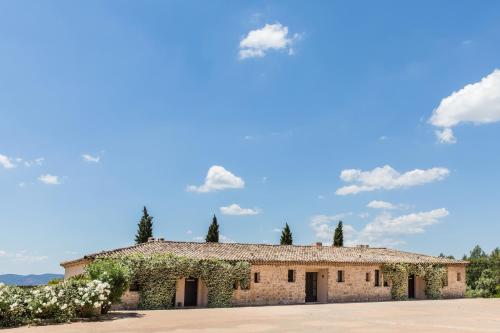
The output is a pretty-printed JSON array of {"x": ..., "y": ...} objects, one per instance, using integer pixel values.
[
  {"x": 12, "y": 310},
  {"x": 56, "y": 303},
  {"x": 91, "y": 297}
]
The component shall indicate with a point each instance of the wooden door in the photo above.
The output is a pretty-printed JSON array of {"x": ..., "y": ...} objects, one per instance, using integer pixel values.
[
  {"x": 191, "y": 292},
  {"x": 311, "y": 286}
]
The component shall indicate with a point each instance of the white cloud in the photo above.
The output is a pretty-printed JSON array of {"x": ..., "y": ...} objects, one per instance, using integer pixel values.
[
  {"x": 387, "y": 178},
  {"x": 23, "y": 256},
  {"x": 222, "y": 239},
  {"x": 6, "y": 162},
  {"x": 91, "y": 159},
  {"x": 385, "y": 230},
  {"x": 235, "y": 209},
  {"x": 270, "y": 37},
  {"x": 446, "y": 136},
  {"x": 324, "y": 225},
  {"x": 36, "y": 161},
  {"x": 225, "y": 239},
  {"x": 378, "y": 204},
  {"x": 218, "y": 178},
  {"x": 477, "y": 103},
  {"x": 49, "y": 179}
]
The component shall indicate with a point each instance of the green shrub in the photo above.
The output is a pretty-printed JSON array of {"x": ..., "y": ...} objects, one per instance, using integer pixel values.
[
  {"x": 486, "y": 286},
  {"x": 115, "y": 273},
  {"x": 55, "y": 282}
]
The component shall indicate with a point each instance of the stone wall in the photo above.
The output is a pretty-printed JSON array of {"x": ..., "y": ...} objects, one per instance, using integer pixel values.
[
  {"x": 129, "y": 301},
  {"x": 355, "y": 288},
  {"x": 455, "y": 289},
  {"x": 74, "y": 270},
  {"x": 274, "y": 287}
]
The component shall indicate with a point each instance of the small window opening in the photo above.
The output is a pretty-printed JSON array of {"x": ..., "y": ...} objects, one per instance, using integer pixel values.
[{"x": 291, "y": 275}]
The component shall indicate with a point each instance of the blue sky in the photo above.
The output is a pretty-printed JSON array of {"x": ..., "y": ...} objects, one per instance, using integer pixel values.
[{"x": 303, "y": 112}]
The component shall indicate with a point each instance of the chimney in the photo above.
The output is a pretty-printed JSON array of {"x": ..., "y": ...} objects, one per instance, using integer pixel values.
[
  {"x": 151, "y": 239},
  {"x": 319, "y": 244}
]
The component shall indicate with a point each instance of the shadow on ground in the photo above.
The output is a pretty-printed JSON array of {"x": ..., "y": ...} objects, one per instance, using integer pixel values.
[{"x": 116, "y": 315}]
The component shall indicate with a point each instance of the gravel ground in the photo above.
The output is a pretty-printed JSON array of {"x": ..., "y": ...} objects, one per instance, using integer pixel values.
[{"x": 461, "y": 315}]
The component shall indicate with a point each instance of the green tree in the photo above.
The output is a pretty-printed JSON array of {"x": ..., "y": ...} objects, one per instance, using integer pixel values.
[
  {"x": 144, "y": 227},
  {"x": 338, "y": 237},
  {"x": 479, "y": 263},
  {"x": 286, "y": 236},
  {"x": 477, "y": 252},
  {"x": 213, "y": 232},
  {"x": 486, "y": 285},
  {"x": 442, "y": 255}
]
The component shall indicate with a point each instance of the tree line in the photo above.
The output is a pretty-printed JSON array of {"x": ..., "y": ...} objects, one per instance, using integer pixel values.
[
  {"x": 483, "y": 273},
  {"x": 145, "y": 231}
]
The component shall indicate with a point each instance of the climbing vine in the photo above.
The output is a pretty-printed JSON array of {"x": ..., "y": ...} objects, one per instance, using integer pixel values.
[
  {"x": 156, "y": 276},
  {"x": 398, "y": 274}
]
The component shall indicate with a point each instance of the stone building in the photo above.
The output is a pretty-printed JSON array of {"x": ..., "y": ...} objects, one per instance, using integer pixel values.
[{"x": 292, "y": 274}]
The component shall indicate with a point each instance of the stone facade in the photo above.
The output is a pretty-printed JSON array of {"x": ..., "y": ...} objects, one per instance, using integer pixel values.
[
  {"x": 129, "y": 301},
  {"x": 455, "y": 288},
  {"x": 74, "y": 269},
  {"x": 273, "y": 288}
]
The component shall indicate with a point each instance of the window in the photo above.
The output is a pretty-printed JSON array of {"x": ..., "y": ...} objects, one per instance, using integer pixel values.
[
  {"x": 367, "y": 276},
  {"x": 377, "y": 278},
  {"x": 235, "y": 285},
  {"x": 386, "y": 284},
  {"x": 256, "y": 277},
  {"x": 291, "y": 275},
  {"x": 459, "y": 277},
  {"x": 340, "y": 276}
]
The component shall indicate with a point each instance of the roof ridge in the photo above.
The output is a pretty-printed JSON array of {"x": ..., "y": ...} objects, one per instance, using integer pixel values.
[{"x": 265, "y": 244}]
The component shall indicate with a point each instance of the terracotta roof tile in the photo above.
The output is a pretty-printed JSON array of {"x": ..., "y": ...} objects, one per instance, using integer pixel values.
[{"x": 263, "y": 253}]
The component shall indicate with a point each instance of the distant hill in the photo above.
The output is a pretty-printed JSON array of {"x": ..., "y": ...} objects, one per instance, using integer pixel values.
[{"x": 28, "y": 280}]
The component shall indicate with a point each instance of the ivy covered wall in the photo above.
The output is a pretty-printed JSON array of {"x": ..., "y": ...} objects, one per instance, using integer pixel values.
[
  {"x": 156, "y": 276},
  {"x": 398, "y": 273}
]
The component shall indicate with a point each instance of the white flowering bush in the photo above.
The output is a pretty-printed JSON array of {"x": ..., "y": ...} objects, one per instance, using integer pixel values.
[
  {"x": 58, "y": 303},
  {"x": 12, "y": 310},
  {"x": 47, "y": 303},
  {"x": 91, "y": 296}
]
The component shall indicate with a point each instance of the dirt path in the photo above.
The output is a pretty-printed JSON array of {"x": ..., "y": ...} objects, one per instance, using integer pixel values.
[{"x": 463, "y": 315}]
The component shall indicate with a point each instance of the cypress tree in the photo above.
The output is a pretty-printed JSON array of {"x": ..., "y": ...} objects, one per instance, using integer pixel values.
[
  {"x": 213, "y": 232},
  {"x": 144, "y": 227},
  {"x": 286, "y": 236},
  {"x": 338, "y": 237}
]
